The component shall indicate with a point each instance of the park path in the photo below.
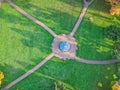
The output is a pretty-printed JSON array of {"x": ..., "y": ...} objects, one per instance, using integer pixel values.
[
  {"x": 28, "y": 72},
  {"x": 1, "y": 2},
  {"x": 31, "y": 17},
  {"x": 86, "y": 4},
  {"x": 96, "y": 61}
]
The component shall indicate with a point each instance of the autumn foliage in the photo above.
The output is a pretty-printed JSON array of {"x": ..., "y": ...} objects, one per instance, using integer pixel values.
[
  {"x": 116, "y": 86},
  {"x": 1, "y": 77},
  {"x": 115, "y": 10},
  {"x": 115, "y": 7}
]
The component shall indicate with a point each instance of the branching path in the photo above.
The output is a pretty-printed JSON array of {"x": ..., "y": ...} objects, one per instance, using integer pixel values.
[{"x": 86, "y": 4}]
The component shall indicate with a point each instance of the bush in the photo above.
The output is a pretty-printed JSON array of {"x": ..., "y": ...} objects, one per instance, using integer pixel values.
[
  {"x": 113, "y": 32},
  {"x": 62, "y": 86},
  {"x": 116, "y": 50}
]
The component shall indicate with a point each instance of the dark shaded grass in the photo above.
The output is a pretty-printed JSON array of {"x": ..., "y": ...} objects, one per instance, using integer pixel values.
[{"x": 24, "y": 44}]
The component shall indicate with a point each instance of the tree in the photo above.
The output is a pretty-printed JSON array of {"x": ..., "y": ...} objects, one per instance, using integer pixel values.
[
  {"x": 116, "y": 51},
  {"x": 115, "y": 10},
  {"x": 116, "y": 86},
  {"x": 1, "y": 77},
  {"x": 115, "y": 7},
  {"x": 113, "y": 32}
]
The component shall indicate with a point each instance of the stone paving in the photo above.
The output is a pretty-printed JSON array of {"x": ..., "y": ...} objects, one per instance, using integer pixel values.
[
  {"x": 71, "y": 54},
  {"x": 64, "y": 55}
]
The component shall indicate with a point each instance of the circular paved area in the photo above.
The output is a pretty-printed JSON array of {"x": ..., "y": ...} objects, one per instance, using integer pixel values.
[{"x": 64, "y": 54}]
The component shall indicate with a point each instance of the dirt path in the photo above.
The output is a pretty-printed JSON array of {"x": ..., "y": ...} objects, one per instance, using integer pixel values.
[
  {"x": 96, "y": 61},
  {"x": 28, "y": 73},
  {"x": 86, "y": 4},
  {"x": 31, "y": 17}
]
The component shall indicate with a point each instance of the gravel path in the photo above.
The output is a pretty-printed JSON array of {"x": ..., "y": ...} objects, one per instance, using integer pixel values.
[
  {"x": 86, "y": 4},
  {"x": 96, "y": 61},
  {"x": 1, "y": 2},
  {"x": 32, "y": 18},
  {"x": 28, "y": 73}
]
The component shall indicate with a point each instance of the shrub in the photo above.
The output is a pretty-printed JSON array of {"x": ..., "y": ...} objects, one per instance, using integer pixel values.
[
  {"x": 113, "y": 32},
  {"x": 116, "y": 51}
]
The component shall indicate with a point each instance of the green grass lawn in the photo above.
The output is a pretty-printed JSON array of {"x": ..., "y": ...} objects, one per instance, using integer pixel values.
[{"x": 23, "y": 44}]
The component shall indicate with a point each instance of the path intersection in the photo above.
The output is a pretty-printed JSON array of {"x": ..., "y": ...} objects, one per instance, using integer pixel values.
[{"x": 63, "y": 46}]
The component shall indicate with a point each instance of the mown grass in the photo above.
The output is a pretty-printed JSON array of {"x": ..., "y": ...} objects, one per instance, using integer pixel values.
[{"x": 23, "y": 44}]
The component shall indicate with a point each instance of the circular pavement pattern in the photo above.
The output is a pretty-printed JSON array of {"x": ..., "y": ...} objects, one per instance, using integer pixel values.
[{"x": 64, "y": 47}]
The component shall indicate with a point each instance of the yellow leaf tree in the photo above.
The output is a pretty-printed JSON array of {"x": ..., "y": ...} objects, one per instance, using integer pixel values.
[
  {"x": 115, "y": 7},
  {"x": 116, "y": 86},
  {"x": 1, "y": 77}
]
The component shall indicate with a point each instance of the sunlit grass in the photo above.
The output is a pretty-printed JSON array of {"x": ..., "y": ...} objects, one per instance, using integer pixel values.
[{"x": 23, "y": 44}]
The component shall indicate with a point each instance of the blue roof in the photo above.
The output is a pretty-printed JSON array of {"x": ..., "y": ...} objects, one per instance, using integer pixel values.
[{"x": 64, "y": 46}]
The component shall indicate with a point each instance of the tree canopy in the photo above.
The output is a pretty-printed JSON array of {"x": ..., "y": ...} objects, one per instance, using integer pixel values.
[
  {"x": 115, "y": 7},
  {"x": 1, "y": 77},
  {"x": 113, "y": 32}
]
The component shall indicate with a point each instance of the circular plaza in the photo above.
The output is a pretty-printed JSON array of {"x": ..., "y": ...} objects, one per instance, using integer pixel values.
[{"x": 64, "y": 47}]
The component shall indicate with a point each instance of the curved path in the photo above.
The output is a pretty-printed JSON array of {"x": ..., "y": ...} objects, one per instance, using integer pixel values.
[
  {"x": 28, "y": 73},
  {"x": 31, "y": 17},
  {"x": 86, "y": 4},
  {"x": 96, "y": 61}
]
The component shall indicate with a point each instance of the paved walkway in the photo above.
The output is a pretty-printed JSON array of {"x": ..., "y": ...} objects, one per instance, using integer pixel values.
[
  {"x": 28, "y": 73},
  {"x": 67, "y": 54},
  {"x": 1, "y": 2},
  {"x": 96, "y": 61},
  {"x": 32, "y": 18},
  {"x": 86, "y": 4}
]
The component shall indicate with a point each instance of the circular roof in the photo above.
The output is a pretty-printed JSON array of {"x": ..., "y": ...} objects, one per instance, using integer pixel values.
[{"x": 64, "y": 46}]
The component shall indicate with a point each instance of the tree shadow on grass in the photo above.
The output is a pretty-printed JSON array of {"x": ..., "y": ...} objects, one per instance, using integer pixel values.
[
  {"x": 35, "y": 81},
  {"x": 59, "y": 21},
  {"x": 37, "y": 40},
  {"x": 33, "y": 40},
  {"x": 13, "y": 72},
  {"x": 91, "y": 38},
  {"x": 48, "y": 15},
  {"x": 98, "y": 5},
  {"x": 74, "y": 3},
  {"x": 10, "y": 72},
  {"x": 14, "y": 19},
  {"x": 55, "y": 18}
]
